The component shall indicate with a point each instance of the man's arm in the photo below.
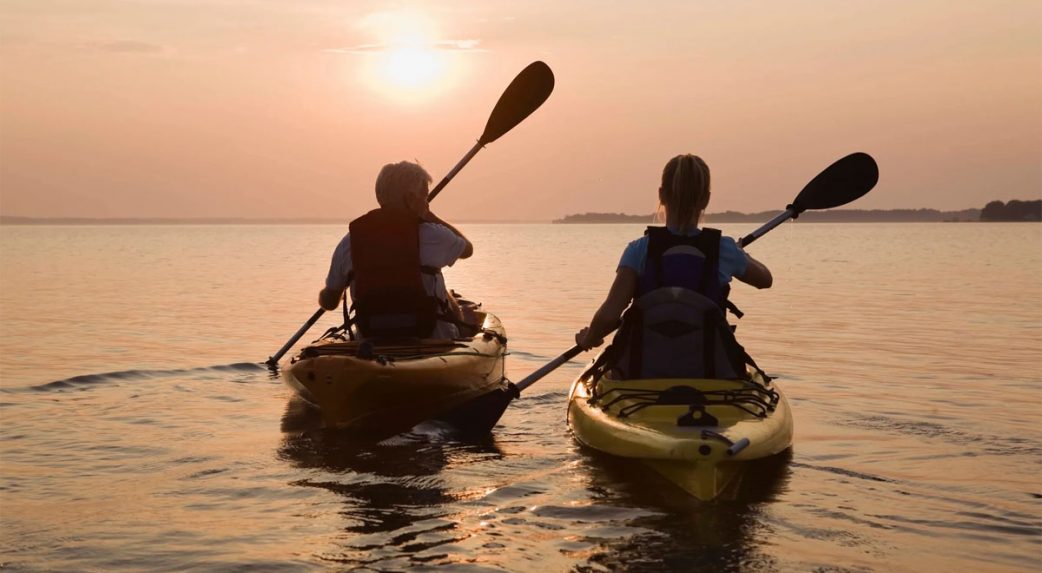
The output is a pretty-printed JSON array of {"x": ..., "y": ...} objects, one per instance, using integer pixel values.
[
  {"x": 336, "y": 280},
  {"x": 468, "y": 250}
]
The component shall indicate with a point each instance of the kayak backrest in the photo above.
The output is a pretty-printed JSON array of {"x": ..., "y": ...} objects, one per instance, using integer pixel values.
[{"x": 673, "y": 332}]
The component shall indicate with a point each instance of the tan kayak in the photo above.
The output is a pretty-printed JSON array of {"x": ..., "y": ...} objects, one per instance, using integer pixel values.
[
  {"x": 697, "y": 433},
  {"x": 381, "y": 389}
]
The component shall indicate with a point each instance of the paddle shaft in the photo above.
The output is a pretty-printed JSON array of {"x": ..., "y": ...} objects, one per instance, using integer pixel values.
[
  {"x": 274, "y": 360},
  {"x": 766, "y": 227},
  {"x": 548, "y": 368},
  {"x": 462, "y": 162}
]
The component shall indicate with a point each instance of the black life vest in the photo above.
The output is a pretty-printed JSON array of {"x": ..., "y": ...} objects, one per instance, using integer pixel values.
[
  {"x": 675, "y": 327},
  {"x": 388, "y": 297},
  {"x": 694, "y": 263}
]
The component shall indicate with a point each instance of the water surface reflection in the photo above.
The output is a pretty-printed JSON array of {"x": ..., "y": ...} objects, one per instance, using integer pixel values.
[
  {"x": 425, "y": 498},
  {"x": 399, "y": 505},
  {"x": 684, "y": 534}
]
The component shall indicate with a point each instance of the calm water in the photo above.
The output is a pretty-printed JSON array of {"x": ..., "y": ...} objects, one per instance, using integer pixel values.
[{"x": 138, "y": 432}]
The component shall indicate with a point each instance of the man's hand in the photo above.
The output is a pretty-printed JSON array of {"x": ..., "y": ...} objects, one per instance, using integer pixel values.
[{"x": 329, "y": 299}]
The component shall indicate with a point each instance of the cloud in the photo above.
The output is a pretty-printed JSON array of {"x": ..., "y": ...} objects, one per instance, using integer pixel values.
[
  {"x": 361, "y": 48},
  {"x": 131, "y": 47},
  {"x": 448, "y": 45},
  {"x": 466, "y": 45}
]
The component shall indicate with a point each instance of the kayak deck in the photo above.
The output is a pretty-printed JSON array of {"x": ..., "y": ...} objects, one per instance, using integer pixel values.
[
  {"x": 697, "y": 433},
  {"x": 381, "y": 388}
]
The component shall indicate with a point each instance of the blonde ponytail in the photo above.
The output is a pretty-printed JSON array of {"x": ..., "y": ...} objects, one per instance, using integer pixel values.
[{"x": 685, "y": 190}]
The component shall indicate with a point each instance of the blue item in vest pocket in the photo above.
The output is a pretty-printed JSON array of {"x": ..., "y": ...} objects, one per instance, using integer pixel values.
[{"x": 732, "y": 261}]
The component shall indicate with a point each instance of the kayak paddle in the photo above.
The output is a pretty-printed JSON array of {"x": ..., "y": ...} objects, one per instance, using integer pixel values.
[
  {"x": 548, "y": 368},
  {"x": 273, "y": 361},
  {"x": 840, "y": 183},
  {"x": 479, "y": 415},
  {"x": 523, "y": 96}
]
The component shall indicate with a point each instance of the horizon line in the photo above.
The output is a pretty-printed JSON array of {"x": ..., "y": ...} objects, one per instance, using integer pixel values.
[{"x": 58, "y": 220}]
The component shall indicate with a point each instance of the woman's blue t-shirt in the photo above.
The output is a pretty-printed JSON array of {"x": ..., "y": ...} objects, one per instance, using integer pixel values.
[{"x": 732, "y": 258}]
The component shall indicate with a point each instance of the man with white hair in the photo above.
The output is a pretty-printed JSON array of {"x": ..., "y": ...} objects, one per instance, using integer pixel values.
[{"x": 392, "y": 259}]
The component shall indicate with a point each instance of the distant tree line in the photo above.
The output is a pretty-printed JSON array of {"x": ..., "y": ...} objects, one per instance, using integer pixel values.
[
  {"x": 1013, "y": 211},
  {"x": 994, "y": 211},
  {"x": 829, "y": 216}
]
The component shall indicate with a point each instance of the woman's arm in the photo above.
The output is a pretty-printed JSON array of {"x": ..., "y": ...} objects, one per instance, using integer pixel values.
[
  {"x": 756, "y": 274},
  {"x": 606, "y": 319}
]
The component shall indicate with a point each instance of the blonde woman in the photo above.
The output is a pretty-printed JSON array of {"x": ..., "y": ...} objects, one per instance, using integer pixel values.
[{"x": 680, "y": 255}]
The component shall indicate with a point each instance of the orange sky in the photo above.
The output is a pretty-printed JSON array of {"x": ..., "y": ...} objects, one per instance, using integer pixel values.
[{"x": 261, "y": 108}]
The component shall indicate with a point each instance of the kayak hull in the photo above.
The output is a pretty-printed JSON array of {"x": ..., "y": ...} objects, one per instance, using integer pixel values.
[
  {"x": 707, "y": 453},
  {"x": 379, "y": 389}
]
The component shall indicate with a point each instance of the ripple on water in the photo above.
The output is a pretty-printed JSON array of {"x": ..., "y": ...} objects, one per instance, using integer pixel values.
[{"x": 917, "y": 446}]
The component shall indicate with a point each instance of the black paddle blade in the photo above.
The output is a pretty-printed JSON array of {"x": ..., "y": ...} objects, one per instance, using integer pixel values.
[
  {"x": 524, "y": 95},
  {"x": 839, "y": 184},
  {"x": 478, "y": 416}
]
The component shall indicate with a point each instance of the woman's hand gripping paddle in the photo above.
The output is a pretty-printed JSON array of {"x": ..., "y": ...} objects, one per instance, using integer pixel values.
[
  {"x": 840, "y": 183},
  {"x": 523, "y": 96}
]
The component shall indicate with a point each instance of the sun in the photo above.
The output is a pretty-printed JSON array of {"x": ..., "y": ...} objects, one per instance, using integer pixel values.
[
  {"x": 412, "y": 67},
  {"x": 408, "y": 63}
]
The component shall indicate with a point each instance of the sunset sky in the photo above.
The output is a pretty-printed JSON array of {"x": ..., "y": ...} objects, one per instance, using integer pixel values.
[{"x": 265, "y": 108}]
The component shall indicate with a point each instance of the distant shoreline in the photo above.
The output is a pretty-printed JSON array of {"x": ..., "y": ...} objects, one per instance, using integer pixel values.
[
  {"x": 832, "y": 216},
  {"x": 994, "y": 211},
  {"x": 829, "y": 216},
  {"x": 101, "y": 221}
]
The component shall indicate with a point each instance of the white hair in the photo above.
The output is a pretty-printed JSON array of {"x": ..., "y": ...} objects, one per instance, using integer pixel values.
[{"x": 397, "y": 181}]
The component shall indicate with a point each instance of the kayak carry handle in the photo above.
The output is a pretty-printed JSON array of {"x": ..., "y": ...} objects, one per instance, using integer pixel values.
[{"x": 737, "y": 447}]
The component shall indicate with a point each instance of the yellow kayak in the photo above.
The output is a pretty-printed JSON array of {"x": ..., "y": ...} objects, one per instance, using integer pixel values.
[
  {"x": 697, "y": 433},
  {"x": 381, "y": 389}
]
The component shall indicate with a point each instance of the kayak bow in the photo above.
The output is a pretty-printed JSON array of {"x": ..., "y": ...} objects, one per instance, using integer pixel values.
[{"x": 697, "y": 433}]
